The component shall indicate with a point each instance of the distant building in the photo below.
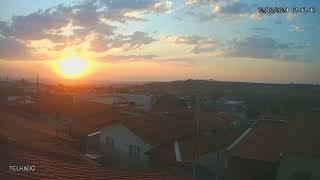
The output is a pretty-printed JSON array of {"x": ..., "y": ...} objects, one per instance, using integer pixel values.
[
  {"x": 224, "y": 104},
  {"x": 141, "y": 101},
  {"x": 3, "y": 91}
]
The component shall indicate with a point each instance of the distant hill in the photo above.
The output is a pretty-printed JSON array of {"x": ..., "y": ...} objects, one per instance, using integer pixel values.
[{"x": 190, "y": 87}]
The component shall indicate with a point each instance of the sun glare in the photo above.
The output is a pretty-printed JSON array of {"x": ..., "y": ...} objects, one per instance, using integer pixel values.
[{"x": 72, "y": 67}]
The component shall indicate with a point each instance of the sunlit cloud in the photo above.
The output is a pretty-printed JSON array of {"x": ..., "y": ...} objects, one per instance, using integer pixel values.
[
  {"x": 261, "y": 47},
  {"x": 230, "y": 9},
  {"x": 295, "y": 28},
  {"x": 102, "y": 43},
  {"x": 198, "y": 44},
  {"x": 78, "y": 25}
]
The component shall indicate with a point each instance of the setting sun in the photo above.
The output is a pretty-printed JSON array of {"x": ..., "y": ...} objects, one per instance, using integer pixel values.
[{"x": 72, "y": 67}]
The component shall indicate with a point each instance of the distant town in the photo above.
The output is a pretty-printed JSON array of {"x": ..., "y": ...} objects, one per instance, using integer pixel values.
[{"x": 188, "y": 129}]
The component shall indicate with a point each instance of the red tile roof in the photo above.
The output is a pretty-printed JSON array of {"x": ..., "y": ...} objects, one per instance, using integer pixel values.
[
  {"x": 23, "y": 142},
  {"x": 91, "y": 123},
  {"x": 57, "y": 104},
  {"x": 53, "y": 168},
  {"x": 263, "y": 142},
  {"x": 86, "y": 116},
  {"x": 164, "y": 154},
  {"x": 37, "y": 135},
  {"x": 302, "y": 137},
  {"x": 227, "y": 117},
  {"x": 156, "y": 128}
]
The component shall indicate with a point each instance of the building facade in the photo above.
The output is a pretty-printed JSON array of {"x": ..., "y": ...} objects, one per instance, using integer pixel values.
[{"x": 123, "y": 148}]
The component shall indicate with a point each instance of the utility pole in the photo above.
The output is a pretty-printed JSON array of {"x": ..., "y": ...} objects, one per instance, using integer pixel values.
[
  {"x": 37, "y": 87},
  {"x": 37, "y": 82},
  {"x": 196, "y": 147}
]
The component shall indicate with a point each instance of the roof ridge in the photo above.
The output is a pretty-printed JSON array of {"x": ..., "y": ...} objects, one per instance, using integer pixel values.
[{"x": 242, "y": 136}]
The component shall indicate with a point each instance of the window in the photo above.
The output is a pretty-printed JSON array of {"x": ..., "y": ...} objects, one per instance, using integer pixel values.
[
  {"x": 134, "y": 151},
  {"x": 301, "y": 176},
  {"x": 109, "y": 141}
]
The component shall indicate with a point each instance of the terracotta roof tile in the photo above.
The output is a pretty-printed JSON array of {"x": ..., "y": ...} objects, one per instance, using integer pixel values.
[
  {"x": 165, "y": 154},
  {"x": 157, "y": 128},
  {"x": 301, "y": 137},
  {"x": 47, "y": 168},
  {"x": 263, "y": 142},
  {"x": 54, "y": 164}
]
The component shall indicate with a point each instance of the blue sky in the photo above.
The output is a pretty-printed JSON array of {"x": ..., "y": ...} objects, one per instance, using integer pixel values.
[{"x": 226, "y": 40}]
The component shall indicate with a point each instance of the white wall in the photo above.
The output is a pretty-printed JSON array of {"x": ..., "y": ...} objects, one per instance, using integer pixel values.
[
  {"x": 213, "y": 161},
  {"x": 140, "y": 99},
  {"x": 120, "y": 153}
]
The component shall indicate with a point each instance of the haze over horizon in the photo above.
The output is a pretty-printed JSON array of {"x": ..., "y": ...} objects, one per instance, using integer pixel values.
[{"x": 156, "y": 40}]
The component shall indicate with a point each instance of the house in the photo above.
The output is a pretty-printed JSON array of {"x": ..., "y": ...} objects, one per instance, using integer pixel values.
[
  {"x": 43, "y": 154},
  {"x": 121, "y": 147},
  {"x": 256, "y": 153},
  {"x": 274, "y": 148},
  {"x": 300, "y": 157},
  {"x": 129, "y": 140},
  {"x": 206, "y": 151}
]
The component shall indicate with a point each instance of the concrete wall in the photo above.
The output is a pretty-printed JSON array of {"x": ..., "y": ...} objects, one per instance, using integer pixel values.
[
  {"x": 119, "y": 154},
  {"x": 299, "y": 163}
]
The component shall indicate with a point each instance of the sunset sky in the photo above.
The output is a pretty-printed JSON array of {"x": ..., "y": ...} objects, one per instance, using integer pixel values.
[{"x": 155, "y": 40}]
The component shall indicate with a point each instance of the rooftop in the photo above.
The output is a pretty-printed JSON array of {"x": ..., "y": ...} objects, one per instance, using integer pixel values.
[
  {"x": 56, "y": 168},
  {"x": 33, "y": 143},
  {"x": 302, "y": 137},
  {"x": 157, "y": 128},
  {"x": 262, "y": 142},
  {"x": 213, "y": 142}
]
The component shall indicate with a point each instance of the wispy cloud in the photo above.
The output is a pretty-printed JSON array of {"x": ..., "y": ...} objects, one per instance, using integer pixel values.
[
  {"x": 87, "y": 21},
  {"x": 264, "y": 47},
  {"x": 198, "y": 44},
  {"x": 222, "y": 9},
  {"x": 126, "y": 58},
  {"x": 295, "y": 29},
  {"x": 102, "y": 43}
]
